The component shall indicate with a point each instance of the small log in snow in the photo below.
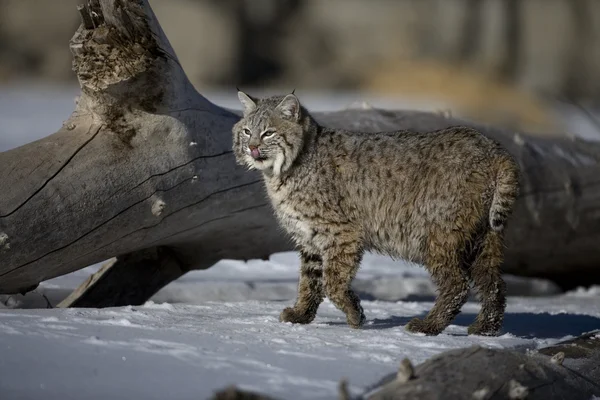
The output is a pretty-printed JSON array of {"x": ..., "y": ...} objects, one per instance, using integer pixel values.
[
  {"x": 144, "y": 163},
  {"x": 568, "y": 371}
]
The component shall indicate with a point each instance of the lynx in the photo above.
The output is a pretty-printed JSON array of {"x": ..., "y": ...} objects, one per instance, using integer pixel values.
[{"x": 440, "y": 198}]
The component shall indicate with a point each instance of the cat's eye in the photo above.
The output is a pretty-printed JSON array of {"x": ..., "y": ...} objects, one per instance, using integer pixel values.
[
  {"x": 247, "y": 132},
  {"x": 268, "y": 133}
]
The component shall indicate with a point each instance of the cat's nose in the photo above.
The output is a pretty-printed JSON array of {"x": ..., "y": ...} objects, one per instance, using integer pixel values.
[{"x": 252, "y": 147}]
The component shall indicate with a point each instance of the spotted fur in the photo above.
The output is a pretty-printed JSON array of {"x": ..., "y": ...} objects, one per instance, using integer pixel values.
[{"x": 440, "y": 198}]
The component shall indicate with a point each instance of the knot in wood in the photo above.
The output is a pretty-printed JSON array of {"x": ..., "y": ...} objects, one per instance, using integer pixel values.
[{"x": 4, "y": 244}]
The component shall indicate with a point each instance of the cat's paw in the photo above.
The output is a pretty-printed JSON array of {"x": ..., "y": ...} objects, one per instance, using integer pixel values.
[
  {"x": 482, "y": 329},
  {"x": 417, "y": 325},
  {"x": 356, "y": 320},
  {"x": 292, "y": 315}
]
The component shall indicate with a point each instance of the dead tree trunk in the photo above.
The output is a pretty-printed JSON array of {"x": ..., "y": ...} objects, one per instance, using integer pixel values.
[{"x": 144, "y": 164}]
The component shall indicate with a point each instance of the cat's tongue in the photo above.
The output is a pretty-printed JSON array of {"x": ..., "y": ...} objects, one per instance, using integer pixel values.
[{"x": 255, "y": 153}]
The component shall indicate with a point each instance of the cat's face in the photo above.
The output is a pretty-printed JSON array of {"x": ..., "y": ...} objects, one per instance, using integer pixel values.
[{"x": 269, "y": 135}]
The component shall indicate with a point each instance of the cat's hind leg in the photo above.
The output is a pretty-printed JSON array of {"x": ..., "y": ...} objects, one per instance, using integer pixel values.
[
  {"x": 447, "y": 271},
  {"x": 487, "y": 279}
]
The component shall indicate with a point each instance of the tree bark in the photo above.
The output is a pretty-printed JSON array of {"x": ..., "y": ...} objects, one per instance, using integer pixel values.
[{"x": 144, "y": 163}]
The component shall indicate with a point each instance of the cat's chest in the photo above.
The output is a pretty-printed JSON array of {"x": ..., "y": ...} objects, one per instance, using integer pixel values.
[{"x": 291, "y": 209}]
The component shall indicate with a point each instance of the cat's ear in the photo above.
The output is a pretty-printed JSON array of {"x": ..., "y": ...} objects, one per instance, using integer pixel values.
[
  {"x": 247, "y": 101},
  {"x": 290, "y": 107}
]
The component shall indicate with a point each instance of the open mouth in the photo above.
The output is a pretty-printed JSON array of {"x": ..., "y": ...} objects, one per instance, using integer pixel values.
[{"x": 256, "y": 154}]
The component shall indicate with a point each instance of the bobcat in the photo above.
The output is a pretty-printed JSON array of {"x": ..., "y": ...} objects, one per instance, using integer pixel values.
[{"x": 440, "y": 198}]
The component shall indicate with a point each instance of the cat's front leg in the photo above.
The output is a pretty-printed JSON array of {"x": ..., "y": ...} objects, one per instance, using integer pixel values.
[
  {"x": 341, "y": 260},
  {"x": 310, "y": 291}
]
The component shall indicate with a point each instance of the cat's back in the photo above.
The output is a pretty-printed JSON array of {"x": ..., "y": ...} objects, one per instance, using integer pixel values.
[{"x": 405, "y": 154}]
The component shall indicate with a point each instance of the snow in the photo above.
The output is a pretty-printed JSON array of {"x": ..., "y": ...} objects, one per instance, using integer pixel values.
[{"x": 218, "y": 327}]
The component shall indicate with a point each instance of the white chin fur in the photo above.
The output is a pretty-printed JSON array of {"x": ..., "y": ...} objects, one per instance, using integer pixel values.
[
  {"x": 278, "y": 164},
  {"x": 260, "y": 165}
]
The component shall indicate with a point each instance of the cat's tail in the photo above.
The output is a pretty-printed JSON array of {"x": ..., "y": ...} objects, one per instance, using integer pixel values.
[{"x": 505, "y": 192}]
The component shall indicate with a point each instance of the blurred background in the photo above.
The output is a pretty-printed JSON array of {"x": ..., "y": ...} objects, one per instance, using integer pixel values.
[{"x": 517, "y": 63}]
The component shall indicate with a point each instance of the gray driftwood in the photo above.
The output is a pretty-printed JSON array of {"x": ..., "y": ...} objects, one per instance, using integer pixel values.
[
  {"x": 144, "y": 163},
  {"x": 566, "y": 371}
]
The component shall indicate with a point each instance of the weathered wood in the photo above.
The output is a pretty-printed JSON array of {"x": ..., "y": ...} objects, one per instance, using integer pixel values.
[
  {"x": 566, "y": 371},
  {"x": 145, "y": 161},
  {"x": 139, "y": 276}
]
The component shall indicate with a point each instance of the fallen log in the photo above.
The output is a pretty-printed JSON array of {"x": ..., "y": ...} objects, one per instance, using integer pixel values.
[{"x": 144, "y": 164}]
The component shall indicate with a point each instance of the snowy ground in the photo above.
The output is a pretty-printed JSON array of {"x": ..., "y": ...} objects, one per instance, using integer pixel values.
[{"x": 217, "y": 327}]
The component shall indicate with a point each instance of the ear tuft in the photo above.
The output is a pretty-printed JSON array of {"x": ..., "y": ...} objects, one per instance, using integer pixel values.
[
  {"x": 290, "y": 107},
  {"x": 247, "y": 101}
]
